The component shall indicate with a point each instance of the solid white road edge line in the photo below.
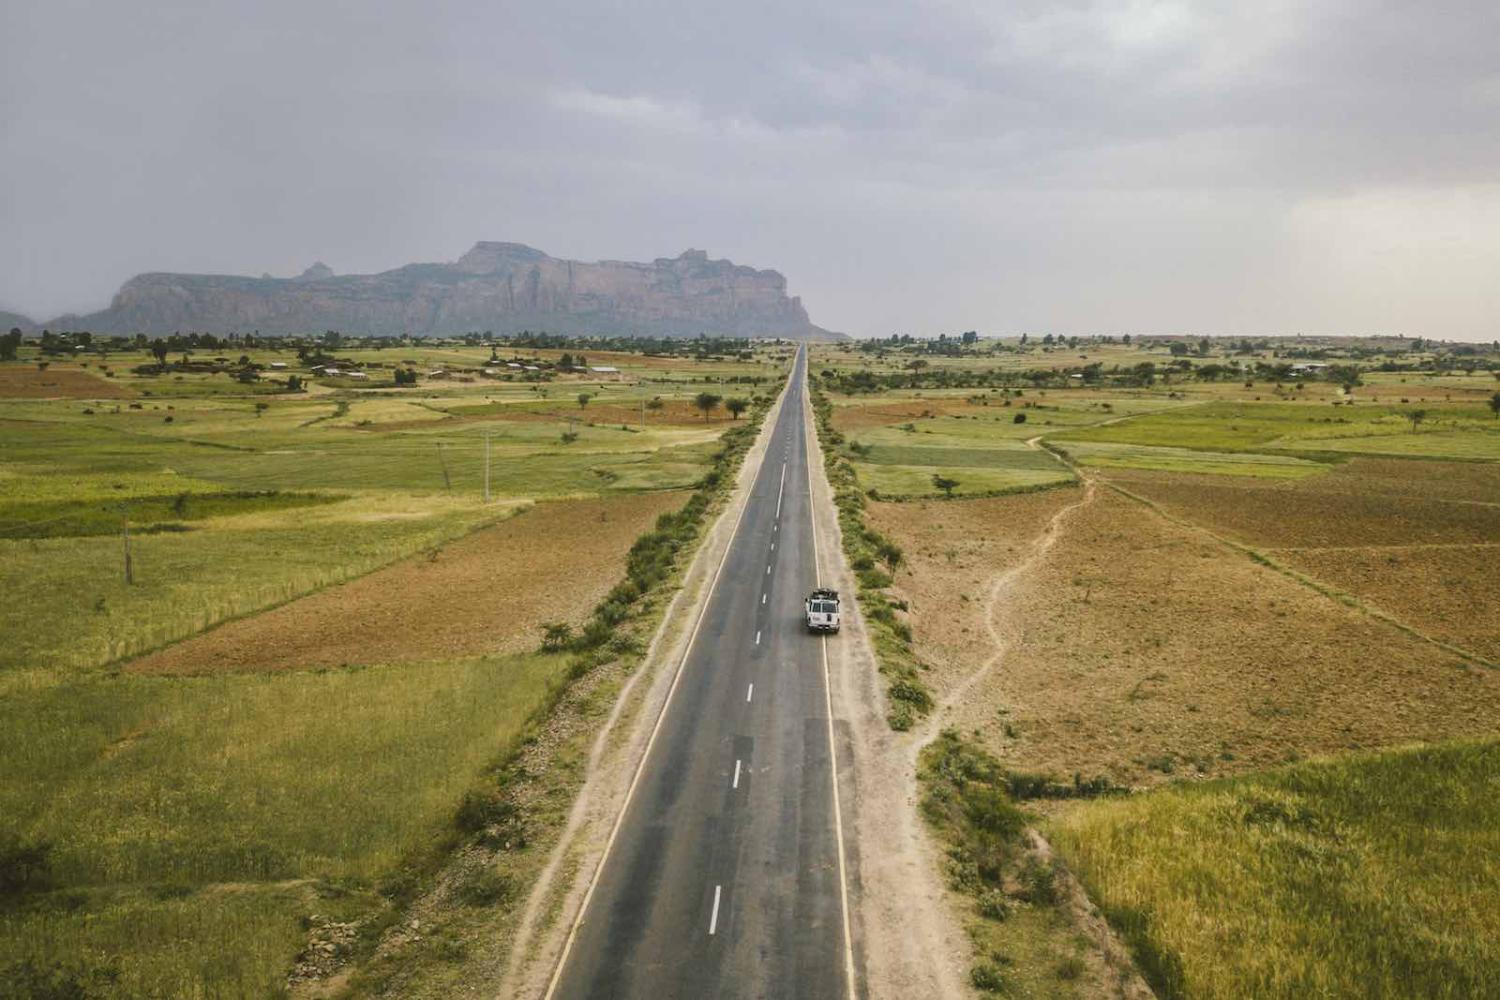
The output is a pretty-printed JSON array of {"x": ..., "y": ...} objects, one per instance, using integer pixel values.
[
  {"x": 833, "y": 760},
  {"x": 640, "y": 766},
  {"x": 779, "y": 490}
]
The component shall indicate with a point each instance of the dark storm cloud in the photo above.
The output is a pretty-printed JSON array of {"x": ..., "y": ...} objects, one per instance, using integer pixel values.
[{"x": 923, "y": 167}]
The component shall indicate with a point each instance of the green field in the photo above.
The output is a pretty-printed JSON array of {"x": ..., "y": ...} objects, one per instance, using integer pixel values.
[
  {"x": 229, "y": 804},
  {"x": 1368, "y": 876},
  {"x": 190, "y": 824}
]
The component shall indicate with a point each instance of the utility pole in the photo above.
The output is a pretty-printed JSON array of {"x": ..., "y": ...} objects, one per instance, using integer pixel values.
[
  {"x": 443, "y": 460},
  {"x": 129, "y": 577},
  {"x": 486, "y": 465}
]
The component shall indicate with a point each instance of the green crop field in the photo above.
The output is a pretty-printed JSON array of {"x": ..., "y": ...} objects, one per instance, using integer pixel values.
[
  {"x": 165, "y": 798},
  {"x": 188, "y": 825},
  {"x": 1372, "y": 875}
]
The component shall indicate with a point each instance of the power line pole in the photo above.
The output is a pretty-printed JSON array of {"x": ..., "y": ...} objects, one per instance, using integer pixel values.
[
  {"x": 129, "y": 577},
  {"x": 443, "y": 460},
  {"x": 486, "y": 465}
]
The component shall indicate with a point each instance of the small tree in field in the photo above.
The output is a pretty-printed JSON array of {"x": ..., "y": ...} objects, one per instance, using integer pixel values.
[
  {"x": 583, "y": 399},
  {"x": 945, "y": 484},
  {"x": 1019, "y": 418},
  {"x": 707, "y": 402},
  {"x": 654, "y": 403},
  {"x": 736, "y": 406},
  {"x": 1494, "y": 404},
  {"x": 1416, "y": 417},
  {"x": 556, "y": 636}
]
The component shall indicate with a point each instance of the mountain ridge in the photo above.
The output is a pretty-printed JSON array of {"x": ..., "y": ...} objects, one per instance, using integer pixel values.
[{"x": 496, "y": 286}]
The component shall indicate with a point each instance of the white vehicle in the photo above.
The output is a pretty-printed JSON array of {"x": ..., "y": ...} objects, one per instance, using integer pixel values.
[{"x": 823, "y": 610}]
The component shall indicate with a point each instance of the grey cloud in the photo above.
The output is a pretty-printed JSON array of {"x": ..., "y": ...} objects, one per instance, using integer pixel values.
[{"x": 923, "y": 167}]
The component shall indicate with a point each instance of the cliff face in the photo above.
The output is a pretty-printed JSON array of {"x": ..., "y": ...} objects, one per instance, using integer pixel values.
[{"x": 500, "y": 287}]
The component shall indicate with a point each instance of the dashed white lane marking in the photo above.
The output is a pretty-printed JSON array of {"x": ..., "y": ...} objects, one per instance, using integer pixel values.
[
  {"x": 736, "y": 775},
  {"x": 768, "y": 569},
  {"x": 762, "y": 598},
  {"x": 757, "y": 637},
  {"x": 713, "y": 920},
  {"x": 750, "y": 692}
]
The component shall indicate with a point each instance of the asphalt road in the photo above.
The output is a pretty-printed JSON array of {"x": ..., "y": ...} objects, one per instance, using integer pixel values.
[{"x": 724, "y": 877}]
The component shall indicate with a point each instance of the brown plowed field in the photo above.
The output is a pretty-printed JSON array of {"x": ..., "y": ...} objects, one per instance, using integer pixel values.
[
  {"x": 25, "y": 382},
  {"x": 1357, "y": 504},
  {"x": 1141, "y": 649},
  {"x": 489, "y": 592},
  {"x": 858, "y": 417}
]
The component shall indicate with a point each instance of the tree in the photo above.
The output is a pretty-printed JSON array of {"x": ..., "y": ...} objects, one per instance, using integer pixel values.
[
  {"x": 945, "y": 484},
  {"x": 1494, "y": 404},
  {"x": 707, "y": 402},
  {"x": 1415, "y": 416},
  {"x": 1204, "y": 345},
  {"x": 556, "y": 636},
  {"x": 736, "y": 406},
  {"x": 654, "y": 403},
  {"x": 159, "y": 350},
  {"x": 261, "y": 408},
  {"x": 9, "y": 344},
  {"x": 583, "y": 399},
  {"x": 1019, "y": 418},
  {"x": 294, "y": 383}
]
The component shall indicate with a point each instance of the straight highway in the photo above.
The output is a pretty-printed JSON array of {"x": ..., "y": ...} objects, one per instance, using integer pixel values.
[{"x": 726, "y": 874}]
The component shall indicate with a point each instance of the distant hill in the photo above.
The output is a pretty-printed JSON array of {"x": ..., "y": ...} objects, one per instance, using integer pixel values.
[
  {"x": 499, "y": 287},
  {"x": 10, "y": 321}
]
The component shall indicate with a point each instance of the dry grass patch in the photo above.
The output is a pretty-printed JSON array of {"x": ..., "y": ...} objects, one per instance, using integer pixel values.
[
  {"x": 484, "y": 594},
  {"x": 17, "y": 382},
  {"x": 1449, "y": 592},
  {"x": 848, "y": 418},
  {"x": 952, "y": 553},
  {"x": 1141, "y": 650},
  {"x": 1357, "y": 504}
]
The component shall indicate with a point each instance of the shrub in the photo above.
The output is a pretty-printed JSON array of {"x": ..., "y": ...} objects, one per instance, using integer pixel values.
[
  {"x": 989, "y": 977},
  {"x": 24, "y": 866},
  {"x": 483, "y": 887}
]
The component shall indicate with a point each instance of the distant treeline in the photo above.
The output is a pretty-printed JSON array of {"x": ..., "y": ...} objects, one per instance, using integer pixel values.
[
  {"x": 81, "y": 341},
  {"x": 920, "y": 375}
]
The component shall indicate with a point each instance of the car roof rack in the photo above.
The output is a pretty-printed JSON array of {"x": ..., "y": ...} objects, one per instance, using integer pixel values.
[{"x": 825, "y": 593}]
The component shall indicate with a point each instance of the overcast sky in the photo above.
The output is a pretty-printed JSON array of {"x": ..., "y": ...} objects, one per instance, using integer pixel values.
[{"x": 1235, "y": 168}]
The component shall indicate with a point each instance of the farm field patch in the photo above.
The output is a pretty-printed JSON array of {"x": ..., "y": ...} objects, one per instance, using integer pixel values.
[
  {"x": 485, "y": 594},
  {"x": 56, "y": 382},
  {"x": 202, "y": 791},
  {"x": 1343, "y": 508},
  {"x": 1136, "y": 456},
  {"x": 1449, "y": 592},
  {"x": 1140, "y": 650},
  {"x": 1368, "y": 876}
]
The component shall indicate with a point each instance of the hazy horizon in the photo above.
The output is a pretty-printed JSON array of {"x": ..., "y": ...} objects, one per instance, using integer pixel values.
[{"x": 1145, "y": 167}]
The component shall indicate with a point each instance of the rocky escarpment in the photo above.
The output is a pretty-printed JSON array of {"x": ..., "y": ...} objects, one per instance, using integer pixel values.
[{"x": 498, "y": 287}]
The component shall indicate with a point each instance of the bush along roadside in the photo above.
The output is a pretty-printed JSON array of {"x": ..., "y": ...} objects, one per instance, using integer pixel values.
[
  {"x": 873, "y": 557},
  {"x": 1024, "y": 941},
  {"x": 504, "y": 825}
]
